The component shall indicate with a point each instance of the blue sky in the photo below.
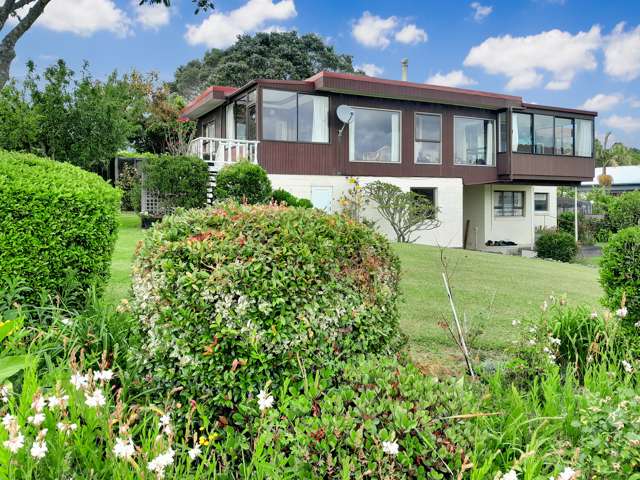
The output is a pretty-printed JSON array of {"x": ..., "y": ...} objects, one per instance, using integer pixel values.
[{"x": 567, "y": 53}]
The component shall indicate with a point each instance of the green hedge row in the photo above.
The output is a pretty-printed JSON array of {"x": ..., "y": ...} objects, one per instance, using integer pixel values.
[{"x": 58, "y": 226}]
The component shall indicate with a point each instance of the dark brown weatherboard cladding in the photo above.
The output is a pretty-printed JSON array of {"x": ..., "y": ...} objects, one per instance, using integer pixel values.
[{"x": 299, "y": 158}]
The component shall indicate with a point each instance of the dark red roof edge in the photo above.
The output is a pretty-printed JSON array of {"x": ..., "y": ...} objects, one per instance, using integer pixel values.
[
  {"x": 200, "y": 99},
  {"x": 560, "y": 109}
]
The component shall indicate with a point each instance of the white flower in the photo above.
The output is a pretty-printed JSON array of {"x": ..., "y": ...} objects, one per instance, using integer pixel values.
[
  {"x": 36, "y": 419},
  {"x": 39, "y": 449},
  {"x": 38, "y": 403},
  {"x": 79, "y": 381},
  {"x": 515, "y": 322},
  {"x": 544, "y": 308},
  {"x": 103, "y": 375},
  {"x": 627, "y": 366},
  {"x": 55, "y": 402},
  {"x": 96, "y": 399},
  {"x": 622, "y": 312},
  {"x": 65, "y": 321},
  {"x": 162, "y": 461},
  {"x": 265, "y": 400},
  {"x": 567, "y": 474},
  {"x": 532, "y": 342},
  {"x": 391, "y": 448},
  {"x": 4, "y": 393},
  {"x": 511, "y": 475},
  {"x": 15, "y": 443},
  {"x": 66, "y": 427},
  {"x": 165, "y": 420},
  {"x": 194, "y": 452},
  {"x": 594, "y": 314},
  {"x": 555, "y": 341},
  {"x": 8, "y": 420},
  {"x": 637, "y": 324},
  {"x": 124, "y": 448}
]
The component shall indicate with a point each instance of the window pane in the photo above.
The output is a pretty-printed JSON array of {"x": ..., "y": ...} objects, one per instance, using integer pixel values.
[
  {"x": 430, "y": 193},
  {"x": 584, "y": 138},
  {"x": 428, "y": 127},
  {"x": 508, "y": 204},
  {"x": 241, "y": 119},
  {"x": 374, "y": 136},
  {"x": 502, "y": 132},
  {"x": 564, "y": 136},
  {"x": 427, "y": 152},
  {"x": 541, "y": 202},
  {"x": 313, "y": 118},
  {"x": 474, "y": 141},
  {"x": 251, "y": 122},
  {"x": 521, "y": 133},
  {"x": 279, "y": 117},
  {"x": 543, "y": 134}
]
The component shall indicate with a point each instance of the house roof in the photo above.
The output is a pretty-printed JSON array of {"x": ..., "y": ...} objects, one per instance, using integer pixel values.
[
  {"x": 625, "y": 175},
  {"x": 206, "y": 101}
]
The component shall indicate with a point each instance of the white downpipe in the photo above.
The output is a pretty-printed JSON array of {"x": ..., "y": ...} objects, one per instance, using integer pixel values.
[{"x": 575, "y": 212}]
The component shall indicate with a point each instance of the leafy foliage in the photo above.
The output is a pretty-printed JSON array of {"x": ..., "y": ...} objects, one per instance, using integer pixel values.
[
  {"x": 56, "y": 222},
  {"x": 181, "y": 182},
  {"x": 624, "y": 211},
  {"x": 19, "y": 124},
  {"x": 275, "y": 55},
  {"x": 406, "y": 212},
  {"x": 244, "y": 182},
  {"x": 557, "y": 245},
  {"x": 283, "y": 197},
  {"x": 234, "y": 297},
  {"x": 130, "y": 183},
  {"x": 620, "y": 272}
]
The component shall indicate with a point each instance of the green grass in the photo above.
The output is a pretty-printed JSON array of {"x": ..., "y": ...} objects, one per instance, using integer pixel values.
[
  {"x": 494, "y": 289},
  {"x": 128, "y": 235}
]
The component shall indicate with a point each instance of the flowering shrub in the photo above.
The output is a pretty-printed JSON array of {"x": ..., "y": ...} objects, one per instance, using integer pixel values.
[
  {"x": 620, "y": 274},
  {"x": 58, "y": 226},
  {"x": 232, "y": 297}
]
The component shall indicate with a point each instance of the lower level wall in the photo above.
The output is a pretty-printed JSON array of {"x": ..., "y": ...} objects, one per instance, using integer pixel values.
[{"x": 325, "y": 192}]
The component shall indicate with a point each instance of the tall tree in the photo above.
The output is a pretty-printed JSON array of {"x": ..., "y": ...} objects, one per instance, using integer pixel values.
[
  {"x": 275, "y": 55},
  {"x": 24, "y": 13}
]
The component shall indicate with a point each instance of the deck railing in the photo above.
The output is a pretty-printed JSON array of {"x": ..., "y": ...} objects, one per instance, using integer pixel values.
[{"x": 218, "y": 152}]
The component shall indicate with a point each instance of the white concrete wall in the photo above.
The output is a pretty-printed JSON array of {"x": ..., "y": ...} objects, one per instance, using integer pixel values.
[
  {"x": 548, "y": 219},
  {"x": 448, "y": 200}
]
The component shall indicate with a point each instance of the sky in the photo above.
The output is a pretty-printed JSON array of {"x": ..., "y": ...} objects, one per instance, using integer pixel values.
[{"x": 569, "y": 53}]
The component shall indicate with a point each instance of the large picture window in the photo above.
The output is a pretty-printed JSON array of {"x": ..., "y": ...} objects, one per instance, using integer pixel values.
[
  {"x": 374, "y": 136},
  {"x": 502, "y": 132},
  {"x": 521, "y": 135},
  {"x": 543, "y": 134},
  {"x": 294, "y": 117},
  {"x": 427, "y": 138},
  {"x": 473, "y": 141},
  {"x": 564, "y": 136},
  {"x": 508, "y": 204},
  {"x": 584, "y": 138}
]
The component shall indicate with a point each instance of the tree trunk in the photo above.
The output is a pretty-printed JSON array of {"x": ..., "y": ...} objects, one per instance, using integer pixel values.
[{"x": 6, "y": 57}]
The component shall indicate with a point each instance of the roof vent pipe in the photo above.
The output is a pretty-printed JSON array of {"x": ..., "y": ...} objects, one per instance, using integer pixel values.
[{"x": 405, "y": 67}]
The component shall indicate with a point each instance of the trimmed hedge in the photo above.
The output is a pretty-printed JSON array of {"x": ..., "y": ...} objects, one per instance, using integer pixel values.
[
  {"x": 232, "y": 297},
  {"x": 243, "y": 182},
  {"x": 624, "y": 211},
  {"x": 282, "y": 196},
  {"x": 58, "y": 226},
  {"x": 181, "y": 181},
  {"x": 620, "y": 272},
  {"x": 556, "y": 245}
]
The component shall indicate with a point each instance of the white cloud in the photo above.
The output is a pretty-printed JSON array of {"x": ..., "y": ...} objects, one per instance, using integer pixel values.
[
  {"x": 480, "y": 12},
  {"x": 370, "y": 69},
  {"x": 524, "y": 59},
  {"x": 220, "y": 29},
  {"x": 374, "y": 31},
  {"x": 602, "y": 102},
  {"x": 411, "y": 35},
  {"x": 151, "y": 17},
  {"x": 455, "y": 78},
  {"x": 634, "y": 102},
  {"x": 622, "y": 53},
  {"x": 627, "y": 123},
  {"x": 83, "y": 17}
]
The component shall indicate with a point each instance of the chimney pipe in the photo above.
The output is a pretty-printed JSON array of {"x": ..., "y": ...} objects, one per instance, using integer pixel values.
[{"x": 405, "y": 67}]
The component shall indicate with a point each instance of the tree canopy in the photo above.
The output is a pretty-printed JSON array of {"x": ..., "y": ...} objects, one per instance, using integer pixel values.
[{"x": 274, "y": 55}]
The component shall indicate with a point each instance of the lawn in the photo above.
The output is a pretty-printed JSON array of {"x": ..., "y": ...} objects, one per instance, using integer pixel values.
[{"x": 490, "y": 289}]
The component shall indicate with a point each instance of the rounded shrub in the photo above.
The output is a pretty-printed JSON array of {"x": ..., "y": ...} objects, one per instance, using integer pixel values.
[
  {"x": 282, "y": 196},
  {"x": 180, "y": 181},
  {"x": 244, "y": 182},
  {"x": 624, "y": 211},
  {"x": 566, "y": 222},
  {"x": 58, "y": 226},
  {"x": 233, "y": 297},
  {"x": 556, "y": 245},
  {"x": 620, "y": 272}
]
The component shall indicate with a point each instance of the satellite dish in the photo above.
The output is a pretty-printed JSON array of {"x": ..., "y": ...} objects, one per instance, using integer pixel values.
[{"x": 345, "y": 113}]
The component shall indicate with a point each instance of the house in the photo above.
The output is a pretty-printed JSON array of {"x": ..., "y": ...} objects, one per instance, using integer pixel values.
[
  {"x": 624, "y": 179},
  {"x": 490, "y": 162}
]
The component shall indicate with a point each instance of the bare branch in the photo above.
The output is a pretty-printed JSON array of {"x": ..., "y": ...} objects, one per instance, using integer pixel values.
[{"x": 10, "y": 40}]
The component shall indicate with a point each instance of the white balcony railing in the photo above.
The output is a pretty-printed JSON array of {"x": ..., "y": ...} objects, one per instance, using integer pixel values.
[{"x": 218, "y": 152}]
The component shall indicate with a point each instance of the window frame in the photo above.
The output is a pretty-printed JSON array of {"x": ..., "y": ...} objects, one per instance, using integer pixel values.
[
  {"x": 513, "y": 192},
  {"x": 415, "y": 138},
  {"x": 297, "y": 94},
  {"x": 495, "y": 141},
  {"x": 535, "y": 207},
  {"x": 500, "y": 133},
  {"x": 399, "y": 112},
  {"x": 574, "y": 120}
]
